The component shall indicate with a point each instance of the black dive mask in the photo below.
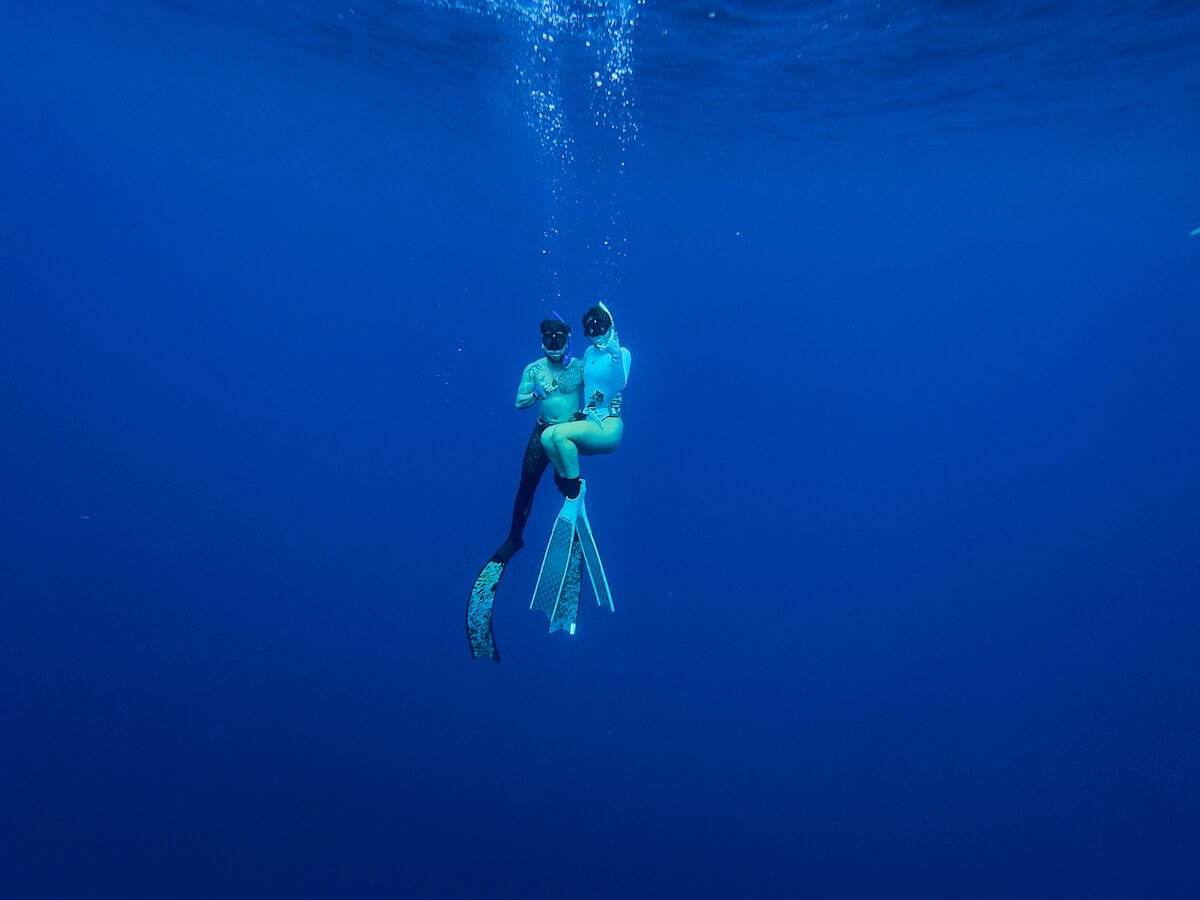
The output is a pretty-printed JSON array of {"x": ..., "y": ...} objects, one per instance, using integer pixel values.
[
  {"x": 554, "y": 340},
  {"x": 596, "y": 324}
]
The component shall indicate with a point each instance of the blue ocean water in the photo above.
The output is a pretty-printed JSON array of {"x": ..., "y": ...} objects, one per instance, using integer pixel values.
[{"x": 902, "y": 535}]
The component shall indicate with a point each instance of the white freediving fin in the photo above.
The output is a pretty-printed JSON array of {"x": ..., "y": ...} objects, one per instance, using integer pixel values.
[
  {"x": 591, "y": 556},
  {"x": 557, "y": 560}
]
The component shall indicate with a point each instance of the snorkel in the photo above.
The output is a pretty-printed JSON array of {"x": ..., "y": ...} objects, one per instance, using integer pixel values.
[{"x": 612, "y": 326}]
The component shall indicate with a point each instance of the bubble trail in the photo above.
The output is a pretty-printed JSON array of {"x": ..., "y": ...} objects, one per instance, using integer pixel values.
[{"x": 550, "y": 35}]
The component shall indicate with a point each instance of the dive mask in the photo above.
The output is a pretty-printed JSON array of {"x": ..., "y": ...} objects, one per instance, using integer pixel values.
[{"x": 554, "y": 341}]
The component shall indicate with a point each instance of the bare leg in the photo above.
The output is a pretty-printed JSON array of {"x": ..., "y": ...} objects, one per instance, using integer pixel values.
[
  {"x": 551, "y": 448},
  {"x": 568, "y": 458},
  {"x": 564, "y": 443}
]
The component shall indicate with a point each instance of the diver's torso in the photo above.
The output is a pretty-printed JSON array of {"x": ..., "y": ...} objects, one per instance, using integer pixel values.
[
  {"x": 599, "y": 385},
  {"x": 562, "y": 387}
]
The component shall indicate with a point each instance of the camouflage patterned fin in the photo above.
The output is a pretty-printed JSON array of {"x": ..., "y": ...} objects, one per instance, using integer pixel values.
[
  {"x": 568, "y": 602},
  {"x": 479, "y": 611},
  {"x": 555, "y": 564},
  {"x": 594, "y": 566}
]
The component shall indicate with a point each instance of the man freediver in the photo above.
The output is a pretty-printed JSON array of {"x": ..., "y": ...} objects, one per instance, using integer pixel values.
[{"x": 554, "y": 384}]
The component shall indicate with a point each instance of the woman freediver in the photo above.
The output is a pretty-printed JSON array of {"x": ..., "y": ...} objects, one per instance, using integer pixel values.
[{"x": 605, "y": 373}]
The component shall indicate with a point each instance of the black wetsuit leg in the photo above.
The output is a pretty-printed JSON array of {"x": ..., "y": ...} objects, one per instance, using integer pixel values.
[
  {"x": 483, "y": 593},
  {"x": 533, "y": 466}
]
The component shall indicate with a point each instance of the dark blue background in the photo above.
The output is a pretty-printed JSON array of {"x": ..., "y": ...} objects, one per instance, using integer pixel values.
[{"x": 903, "y": 533}]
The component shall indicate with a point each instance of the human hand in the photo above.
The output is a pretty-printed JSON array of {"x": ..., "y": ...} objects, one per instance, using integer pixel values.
[
  {"x": 613, "y": 347},
  {"x": 539, "y": 392}
]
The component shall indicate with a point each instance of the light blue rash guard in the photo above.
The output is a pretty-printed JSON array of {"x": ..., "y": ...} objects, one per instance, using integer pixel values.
[{"x": 603, "y": 379}]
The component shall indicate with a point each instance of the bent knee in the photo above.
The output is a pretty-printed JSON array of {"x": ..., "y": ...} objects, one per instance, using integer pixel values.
[{"x": 554, "y": 438}]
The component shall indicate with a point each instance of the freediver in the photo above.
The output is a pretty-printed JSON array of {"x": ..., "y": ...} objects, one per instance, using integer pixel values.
[
  {"x": 599, "y": 428},
  {"x": 554, "y": 384}
]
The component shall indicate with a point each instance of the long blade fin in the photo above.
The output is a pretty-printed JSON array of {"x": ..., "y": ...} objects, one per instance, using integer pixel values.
[
  {"x": 554, "y": 568},
  {"x": 568, "y": 601},
  {"x": 479, "y": 611},
  {"x": 594, "y": 566}
]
